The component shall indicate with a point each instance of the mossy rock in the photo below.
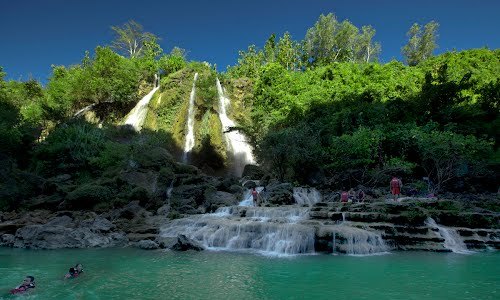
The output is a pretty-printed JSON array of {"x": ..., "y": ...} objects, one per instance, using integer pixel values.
[
  {"x": 185, "y": 169},
  {"x": 86, "y": 196},
  {"x": 155, "y": 158}
]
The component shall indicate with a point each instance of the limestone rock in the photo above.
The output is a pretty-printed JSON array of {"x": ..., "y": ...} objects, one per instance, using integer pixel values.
[
  {"x": 184, "y": 243},
  {"x": 147, "y": 245}
]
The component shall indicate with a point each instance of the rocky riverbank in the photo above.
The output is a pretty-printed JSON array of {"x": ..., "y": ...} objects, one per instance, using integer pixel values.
[{"x": 374, "y": 226}]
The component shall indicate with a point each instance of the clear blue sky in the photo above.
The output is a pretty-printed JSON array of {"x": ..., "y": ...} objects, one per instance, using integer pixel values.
[{"x": 35, "y": 34}]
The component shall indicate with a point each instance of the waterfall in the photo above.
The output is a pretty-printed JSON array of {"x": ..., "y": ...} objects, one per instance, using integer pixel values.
[
  {"x": 357, "y": 241},
  {"x": 248, "y": 198},
  {"x": 85, "y": 109},
  {"x": 270, "y": 231},
  {"x": 169, "y": 189},
  {"x": 137, "y": 115},
  {"x": 235, "y": 141},
  {"x": 452, "y": 239},
  {"x": 188, "y": 146},
  {"x": 306, "y": 196}
]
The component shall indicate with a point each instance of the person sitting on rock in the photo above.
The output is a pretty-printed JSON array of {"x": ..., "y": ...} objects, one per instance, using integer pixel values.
[
  {"x": 74, "y": 271},
  {"x": 28, "y": 284},
  {"x": 352, "y": 195}
]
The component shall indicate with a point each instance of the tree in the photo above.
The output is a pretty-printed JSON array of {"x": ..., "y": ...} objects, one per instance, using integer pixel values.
[
  {"x": 367, "y": 50},
  {"x": 421, "y": 44},
  {"x": 445, "y": 155},
  {"x": 288, "y": 54},
  {"x": 270, "y": 49},
  {"x": 249, "y": 62},
  {"x": 131, "y": 38},
  {"x": 320, "y": 43}
]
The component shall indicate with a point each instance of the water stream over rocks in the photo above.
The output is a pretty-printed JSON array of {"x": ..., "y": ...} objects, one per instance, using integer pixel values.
[
  {"x": 138, "y": 114},
  {"x": 189, "y": 144},
  {"x": 236, "y": 142}
]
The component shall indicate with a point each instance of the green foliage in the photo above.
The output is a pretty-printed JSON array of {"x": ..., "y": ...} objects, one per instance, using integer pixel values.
[
  {"x": 421, "y": 44},
  {"x": 291, "y": 153},
  {"x": 446, "y": 155},
  {"x": 332, "y": 41},
  {"x": 130, "y": 39},
  {"x": 374, "y": 120},
  {"x": 88, "y": 195},
  {"x": 70, "y": 147}
]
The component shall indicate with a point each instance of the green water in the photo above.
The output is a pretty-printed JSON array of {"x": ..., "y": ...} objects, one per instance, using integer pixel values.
[{"x": 139, "y": 274}]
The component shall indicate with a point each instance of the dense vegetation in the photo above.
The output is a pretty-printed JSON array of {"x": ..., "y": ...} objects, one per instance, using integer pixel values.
[
  {"x": 320, "y": 111},
  {"x": 339, "y": 119}
]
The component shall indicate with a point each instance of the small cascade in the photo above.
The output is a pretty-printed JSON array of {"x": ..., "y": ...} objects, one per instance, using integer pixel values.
[
  {"x": 452, "y": 239},
  {"x": 83, "y": 110},
  {"x": 343, "y": 217},
  {"x": 138, "y": 114},
  {"x": 170, "y": 189},
  {"x": 306, "y": 196},
  {"x": 357, "y": 241},
  {"x": 271, "y": 231},
  {"x": 235, "y": 141},
  {"x": 248, "y": 198},
  {"x": 189, "y": 144}
]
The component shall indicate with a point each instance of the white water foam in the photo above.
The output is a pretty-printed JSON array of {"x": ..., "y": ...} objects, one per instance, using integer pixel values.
[
  {"x": 270, "y": 231},
  {"x": 235, "y": 141},
  {"x": 358, "y": 242},
  {"x": 452, "y": 239},
  {"x": 248, "y": 198},
  {"x": 306, "y": 196},
  {"x": 189, "y": 144},
  {"x": 138, "y": 114}
]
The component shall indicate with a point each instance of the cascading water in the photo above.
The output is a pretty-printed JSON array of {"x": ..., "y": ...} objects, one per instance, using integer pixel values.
[
  {"x": 248, "y": 198},
  {"x": 357, "y": 241},
  {"x": 452, "y": 239},
  {"x": 306, "y": 196},
  {"x": 235, "y": 141},
  {"x": 189, "y": 144},
  {"x": 137, "y": 115},
  {"x": 85, "y": 109},
  {"x": 274, "y": 231}
]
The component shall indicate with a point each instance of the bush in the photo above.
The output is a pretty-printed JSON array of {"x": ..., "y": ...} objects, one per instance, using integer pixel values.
[{"x": 86, "y": 196}]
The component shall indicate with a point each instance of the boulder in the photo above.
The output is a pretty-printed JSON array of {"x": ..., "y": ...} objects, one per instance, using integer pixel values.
[
  {"x": 163, "y": 210},
  {"x": 219, "y": 199},
  {"x": 147, "y": 245},
  {"x": 184, "y": 243},
  {"x": 279, "y": 193},
  {"x": 166, "y": 242},
  {"x": 63, "y": 232},
  {"x": 7, "y": 240}
]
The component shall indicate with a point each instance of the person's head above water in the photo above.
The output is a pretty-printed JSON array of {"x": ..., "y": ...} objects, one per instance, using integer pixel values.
[
  {"x": 29, "y": 280},
  {"x": 79, "y": 267}
]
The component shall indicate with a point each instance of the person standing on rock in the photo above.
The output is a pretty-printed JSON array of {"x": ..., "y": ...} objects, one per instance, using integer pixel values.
[
  {"x": 344, "y": 197},
  {"x": 396, "y": 186},
  {"x": 360, "y": 196},
  {"x": 255, "y": 196}
]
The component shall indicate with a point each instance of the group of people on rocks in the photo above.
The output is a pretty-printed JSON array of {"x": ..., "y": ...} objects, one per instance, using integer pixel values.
[
  {"x": 28, "y": 283},
  {"x": 351, "y": 196}
]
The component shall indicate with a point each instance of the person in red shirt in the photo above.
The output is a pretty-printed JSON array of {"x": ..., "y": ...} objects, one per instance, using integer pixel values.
[
  {"x": 344, "y": 197},
  {"x": 396, "y": 186},
  {"x": 255, "y": 196}
]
